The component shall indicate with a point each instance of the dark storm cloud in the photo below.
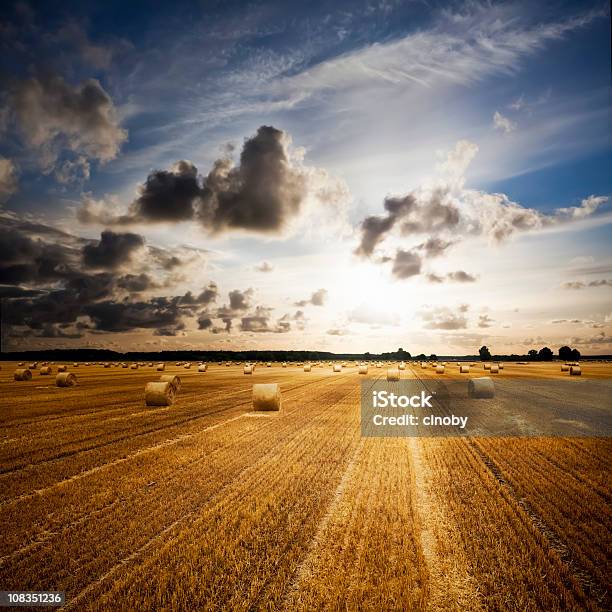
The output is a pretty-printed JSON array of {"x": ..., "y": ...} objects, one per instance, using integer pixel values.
[
  {"x": 136, "y": 283},
  {"x": 318, "y": 298},
  {"x": 168, "y": 195},
  {"x": 112, "y": 251},
  {"x": 261, "y": 194},
  {"x": 434, "y": 247},
  {"x": 204, "y": 321}
]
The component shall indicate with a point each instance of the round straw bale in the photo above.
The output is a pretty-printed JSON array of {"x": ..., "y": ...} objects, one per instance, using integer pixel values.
[
  {"x": 500, "y": 366},
  {"x": 107, "y": 365},
  {"x": 161, "y": 367},
  {"x": 439, "y": 369},
  {"x": 464, "y": 369},
  {"x": 187, "y": 366},
  {"x": 65, "y": 379},
  {"x": 75, "y": 365},
  {"x": 494, "y": 369},
  {"x": 22, "y": 374},
  {"x": 487, "y": 366},
  {"x": 266, "y": 397},
  {"x": 423, "y": 365},
  {"x": 363, "y": 369},
  {"x": 160, "y": 394},
  {"x": 393, "y": 374},
  {"x": 134, "y": 366},
  {"x": 20, "y": 364},
  {"x": 337, "y": 368},
  {"x": 202, "y": 367},
  {"x": 62, "y": 368},
  {"x": 45, "y": 370},
  {"x": 269, "y": 364},
  {"x": 481, "y": 388},
  {"x": 307, "y": 368},
  {"x": 33, "y": 366},
  {"x": 284, "y": 364},
  {"x": 575, "y": 371},
  {"x": 248, "y": 369},
  {"x": 401, "y": 366},
  {"x": 565, "y": 368},
  {"x": 172, "y": 379}
]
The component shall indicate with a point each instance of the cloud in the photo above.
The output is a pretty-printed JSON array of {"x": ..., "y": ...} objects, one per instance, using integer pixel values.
[
  {"x": 406, "y": 264},
  {"x": 240, "y": 300},
  {"x": 458, "y": 276},
  {"x": 8, "y": 179},
  {"x": 260, "y": 322},
  {"x": 264, "y": 193},
  {"x": 264, "y": 266},
  {"x": 600, "y": 338},
  {"x": 484, "y": 321},
  {"x": 73, "y": 171},
  {"x": 112, "y": 251},
  {"x": 603, "y": 282},
  {"x": 503, "y": 123},
  {"x": 443, "y": 318},
  {"x": 53, "y": 115},
  {"x": 318, "y": 298},
  {"x": 337, "y": 332},
  {"x": 445, "y": 210},
  {"x": 167, "y": 195}
]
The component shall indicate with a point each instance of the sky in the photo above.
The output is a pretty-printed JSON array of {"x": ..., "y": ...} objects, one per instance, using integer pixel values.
[{"x": 342, "y": 176}]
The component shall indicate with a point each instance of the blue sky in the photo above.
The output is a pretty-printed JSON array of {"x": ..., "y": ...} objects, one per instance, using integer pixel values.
[{"x": 373, "y": 100}]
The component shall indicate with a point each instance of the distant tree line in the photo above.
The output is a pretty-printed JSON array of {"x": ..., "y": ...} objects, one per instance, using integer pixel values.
[{"x": 544, "y": 354}]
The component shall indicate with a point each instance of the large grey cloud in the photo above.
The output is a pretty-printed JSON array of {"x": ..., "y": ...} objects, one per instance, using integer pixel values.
[
  {"x": 53, "y": 115},
  {"x": 112, "y": 251},
  {"x": 8, "y": 179},
  {"x": 318, "y": 298},
  {"x": 263, "y": 193}
]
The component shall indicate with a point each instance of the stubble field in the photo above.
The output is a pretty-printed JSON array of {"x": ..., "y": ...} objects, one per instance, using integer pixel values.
[{"x": 205, "y": 505}]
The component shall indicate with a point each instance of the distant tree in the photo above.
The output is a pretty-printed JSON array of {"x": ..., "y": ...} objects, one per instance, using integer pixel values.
[
  {"x": 485, "y": 354},
  {"x": 533, "y": 354},
  {"x": 575, "y": 355},
  {"x": 421, "y": 356},
  {"x": 565, "y": 353},
  {"x": 433, "y": 357},
  {"x": 545, "y": 354}
]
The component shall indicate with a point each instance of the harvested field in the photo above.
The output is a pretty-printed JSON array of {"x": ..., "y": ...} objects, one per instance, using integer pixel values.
[{"x": 207, "y": 504}]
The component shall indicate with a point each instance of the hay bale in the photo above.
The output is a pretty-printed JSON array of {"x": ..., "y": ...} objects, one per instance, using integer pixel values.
[
  {"x": 575, "y": 371},
  {"x": 487, "y": 366},
  {"x": 62, "y": 368},
  {"x": 75, "y": 365},
  {"x": 248, "y": 369},
  {"x": 124, "y": 365},
  {"x": 494, "y": 369},
  {"x": 45, "y": 371},
  {"x": 401, "y": 366},
  {"x": 393, "y": 374},
  {"x": 65, "y": 379},
  {"x": 161, "y": 367},
  {"x": 22, "y": 374},
  {"x": 363, "y": 369},
  {"x": 33, "y": 366},
  {"x": 565, "y": 368},
  {"x": 160, "y": 394},
  {"x": 202, "y": 367},
  {"x": 267, "y": 397},
  {"x": 269, "y": 364},
  {"x": 307, "y": 368},
  {"x": 481, "y": 388},
  {"x": 464, "y": 369},
  {"x": 423, "y": 365},
  {"x": 284, "y": 364},
  {"x": 134, "y": 366},
  {"x": 440, "y": 369},
  {"x": 337, "y": 368},
  {"x": 172, "y": 379},
  {"x": 107, "y": 365},
  {"x": 20, "y": 364},
  {"x": 500, "y": 366},
  {"x": 187, "y": 366}
]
